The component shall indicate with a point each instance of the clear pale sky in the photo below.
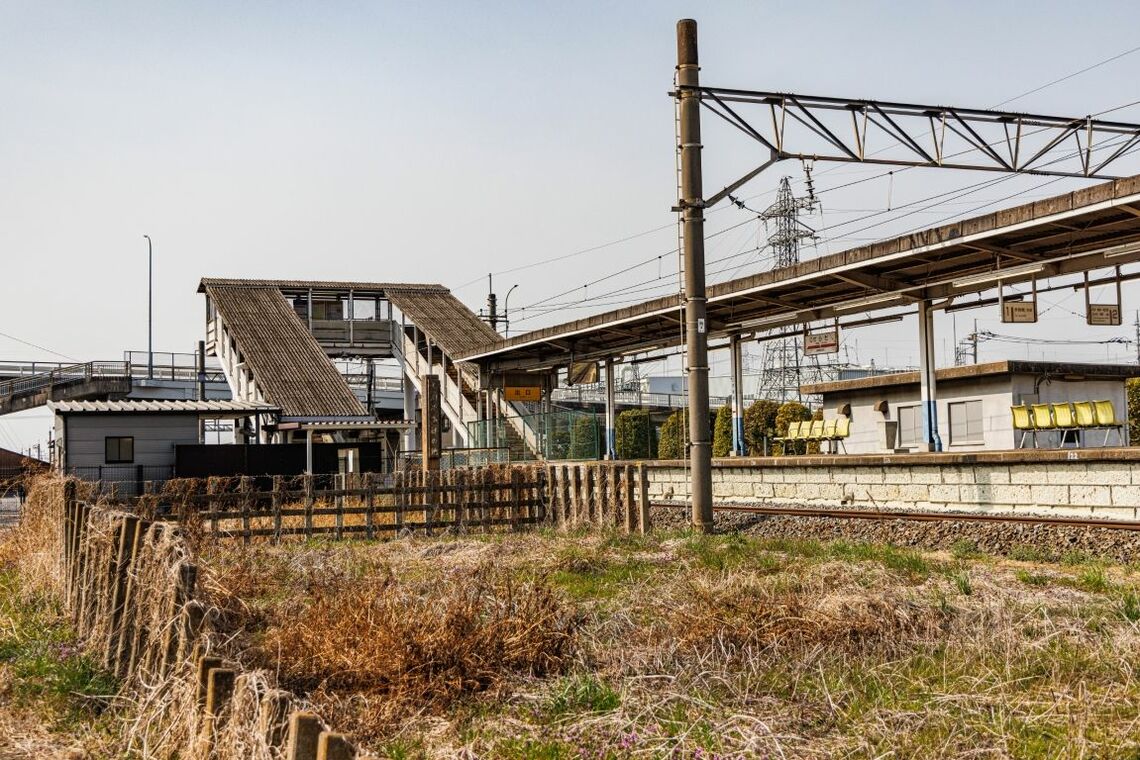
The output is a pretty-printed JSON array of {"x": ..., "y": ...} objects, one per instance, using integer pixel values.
[{"x": 441, "y": 141}]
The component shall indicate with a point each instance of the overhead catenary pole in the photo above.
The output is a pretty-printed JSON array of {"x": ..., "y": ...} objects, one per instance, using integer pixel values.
[{"x": 693, "y": 226}]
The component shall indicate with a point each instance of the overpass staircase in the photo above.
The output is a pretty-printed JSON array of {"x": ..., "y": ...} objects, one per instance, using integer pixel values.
[{"x": 460, "y": 397}]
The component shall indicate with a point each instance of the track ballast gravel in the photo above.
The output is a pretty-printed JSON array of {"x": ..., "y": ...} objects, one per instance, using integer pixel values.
[{"x": 1046, "y": 542}]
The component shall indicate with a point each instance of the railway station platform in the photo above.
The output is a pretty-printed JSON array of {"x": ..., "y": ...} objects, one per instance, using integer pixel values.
[{"x": 1082, "y": 484}]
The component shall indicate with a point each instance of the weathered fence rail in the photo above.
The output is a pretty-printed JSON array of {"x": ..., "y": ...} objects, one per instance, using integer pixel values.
[
  {"x": 598, "y": 494},
  {"x": 129, "y": 585}
]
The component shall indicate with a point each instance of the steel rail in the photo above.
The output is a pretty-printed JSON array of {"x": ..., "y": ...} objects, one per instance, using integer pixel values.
[{"x": 880, "y": 514}]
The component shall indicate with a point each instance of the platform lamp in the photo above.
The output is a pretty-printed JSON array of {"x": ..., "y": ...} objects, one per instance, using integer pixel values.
[
  {"x": 507, "y": 312},
  {"x": 149, "y": 309}
]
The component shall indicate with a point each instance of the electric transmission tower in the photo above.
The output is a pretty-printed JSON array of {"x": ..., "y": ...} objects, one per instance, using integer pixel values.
[{"x": 785, "y": 368}]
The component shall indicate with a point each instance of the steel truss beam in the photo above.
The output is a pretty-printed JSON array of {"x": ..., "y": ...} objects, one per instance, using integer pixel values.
[{"x": 856, "y": 131}]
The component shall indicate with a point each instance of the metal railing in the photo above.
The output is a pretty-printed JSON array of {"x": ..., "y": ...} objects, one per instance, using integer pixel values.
[
  {"x": 123, "y": 479},
  {"x": 591, "y": 395},
  {"x": 76, "y": 373},
  {"x": 453, "y": 458}
]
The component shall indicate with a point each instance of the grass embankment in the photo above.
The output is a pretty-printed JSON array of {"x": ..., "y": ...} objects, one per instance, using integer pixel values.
[
  {"x": 52, "y": 695},
  {"x": 681, "y": 645}
]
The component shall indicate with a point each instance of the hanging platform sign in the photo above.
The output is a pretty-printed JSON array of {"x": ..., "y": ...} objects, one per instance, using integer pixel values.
[
  {"x": 1102, "y": 314},
  {"x": 516, "y": 393},
  {"x": 582, "y": 373},
  {"x": 821, "y": 342},
  {"x": 1020, "y": 311}
]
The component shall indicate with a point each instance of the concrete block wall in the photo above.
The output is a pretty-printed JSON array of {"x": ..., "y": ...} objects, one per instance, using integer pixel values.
[{"x": 1105, "y": 485}]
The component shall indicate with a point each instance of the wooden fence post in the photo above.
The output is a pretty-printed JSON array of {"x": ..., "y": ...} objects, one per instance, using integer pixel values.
[
  {"x": 308, "y": 479},
  {"x": 273, "y": 717},
  {"x": 123, "y": 565},
  {"x": 333, "y": 746},
  {"x": 245, "y": 487},
  {"x": 304, "y": 732},
  {"x": 277, "y": 497},
  {"x": 643, "y": 525},
  {"x": 630, "y": 506},
  {"x": 219, "y": 691},
  {"x": 399, "y": 495},
  {"x": 369, "y": 490},
  {"x": 205, "y": 665}
]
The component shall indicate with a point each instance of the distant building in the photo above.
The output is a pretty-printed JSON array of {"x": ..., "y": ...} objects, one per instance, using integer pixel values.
[
  {"x": 973, "y": 404},
  {"x": 12, "y": 464},
  {"x": 134, "y": 441}
]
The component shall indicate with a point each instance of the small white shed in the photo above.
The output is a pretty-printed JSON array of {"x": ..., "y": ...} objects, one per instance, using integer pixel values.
[{"x": 133, "y": 441}]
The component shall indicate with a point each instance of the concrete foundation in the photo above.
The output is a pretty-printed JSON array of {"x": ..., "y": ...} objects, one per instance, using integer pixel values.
[{"x": 1101, "y": 483}]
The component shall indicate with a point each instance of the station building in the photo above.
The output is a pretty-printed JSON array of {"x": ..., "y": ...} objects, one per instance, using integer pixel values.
[{"x": 974, "y": 405}]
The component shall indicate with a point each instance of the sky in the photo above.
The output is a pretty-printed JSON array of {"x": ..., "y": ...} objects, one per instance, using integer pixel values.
[{"x": 442, "y": 141}]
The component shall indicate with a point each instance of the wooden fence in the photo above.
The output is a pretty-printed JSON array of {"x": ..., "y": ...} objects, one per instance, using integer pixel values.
[
  {"x": 595, "y": 494},
  {"x": 599, "y": 494},
  {"x": 130, "y": 588},
  {"x": 365, "y": 505}
]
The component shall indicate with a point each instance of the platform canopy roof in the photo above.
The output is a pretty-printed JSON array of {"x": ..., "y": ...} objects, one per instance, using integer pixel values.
[
  {"x": 213, "y": 409},
  {"x": 1089, "y": 229},
  {"x": 1053, "y": 371}
]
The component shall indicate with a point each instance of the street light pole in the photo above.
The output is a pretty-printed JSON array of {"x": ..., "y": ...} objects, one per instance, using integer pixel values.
[
  {"x": 149, "y": 309},
  {"x": 507, "y": 312}
]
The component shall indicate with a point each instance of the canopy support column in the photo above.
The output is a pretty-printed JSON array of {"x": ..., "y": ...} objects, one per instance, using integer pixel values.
[
  {"x": 737, "y": 364},
  {"x": 611, "y": 418},
  {"x": 928, "y": 391}
]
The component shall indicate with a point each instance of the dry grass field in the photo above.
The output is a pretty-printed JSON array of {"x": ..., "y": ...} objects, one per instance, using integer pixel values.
[
  {"x": 543, "y": 645},
  {"x": 675, "y": 645}
]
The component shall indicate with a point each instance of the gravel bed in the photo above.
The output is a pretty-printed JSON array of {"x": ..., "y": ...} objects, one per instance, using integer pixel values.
[{"x": 1047, "y": 542}]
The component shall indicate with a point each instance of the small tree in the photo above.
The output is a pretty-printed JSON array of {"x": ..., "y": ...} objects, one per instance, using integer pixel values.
[
  {"x": 722, "y": 432},
  {"x": 633, "y": 432},
  {"x": 558, "y": 440},
  {"x": 585, "y": 438},
  {"x": 1132, "y": 389},
  {"x": 789, "y": 412},
  {"x": 759, "y": 423},
  {"x": 674, "y": 436}
]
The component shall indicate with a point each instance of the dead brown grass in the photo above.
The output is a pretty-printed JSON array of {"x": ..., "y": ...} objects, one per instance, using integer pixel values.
[{"x": 369, "y": 649}]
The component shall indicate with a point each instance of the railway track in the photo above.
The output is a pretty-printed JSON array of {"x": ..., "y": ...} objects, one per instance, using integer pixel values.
[{"x": 879, "y": 514}]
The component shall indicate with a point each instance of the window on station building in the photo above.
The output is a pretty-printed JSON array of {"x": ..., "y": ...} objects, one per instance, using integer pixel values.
[
  {"x": 966, "y": 422},
  {"x": 361, "y": 309},
  {"x": 119, "y": 449},
  {"x": 910, "y": 426}
]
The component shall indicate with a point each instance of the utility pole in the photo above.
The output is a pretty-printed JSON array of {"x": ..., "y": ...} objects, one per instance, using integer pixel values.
[
  {"x": 149, "y": 309},
  {"x": 692, "y": 205},
  {"x": 492, "y": 305},
  {"x": 1138, "y": 337}
]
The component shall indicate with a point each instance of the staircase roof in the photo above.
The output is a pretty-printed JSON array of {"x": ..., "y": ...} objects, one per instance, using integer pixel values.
[{"x": 288, "y": 364}]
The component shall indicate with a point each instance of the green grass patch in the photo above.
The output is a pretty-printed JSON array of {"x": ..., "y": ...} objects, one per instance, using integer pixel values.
[
  {"x": 965, "y": 549},
  {"x": 1130, "y": 606},
  {"x": 1027, "y": 553},
  {"x": 1031, "y": 579},
  {"x": 46, "y": 669},
  {"x": 583, "y": 693},
  {"x": 597, "y": 577},
  {"x": 962, "y": 582},
  {"x": 908, "y": 563}
]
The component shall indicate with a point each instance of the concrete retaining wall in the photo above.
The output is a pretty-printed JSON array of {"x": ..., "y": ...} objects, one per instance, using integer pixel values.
[{"x": 1103, "y": 484}]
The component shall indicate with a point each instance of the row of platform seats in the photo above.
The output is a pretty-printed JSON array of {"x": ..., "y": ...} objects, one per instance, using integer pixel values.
[
  {"x": 1068, "y": 419},
  {"x": 820, "y": 431}
]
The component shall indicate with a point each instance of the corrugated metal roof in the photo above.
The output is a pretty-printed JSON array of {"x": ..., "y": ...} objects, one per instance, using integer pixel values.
[
  {"x": 288, "y": 364},
  {"x": 1054, "y": 370},
  {"x": 172, "y": 406},
  {"x": 449, "y": 322},
  {"x": 370, "y": 425},
  {"x": 323, "y": 285}
]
